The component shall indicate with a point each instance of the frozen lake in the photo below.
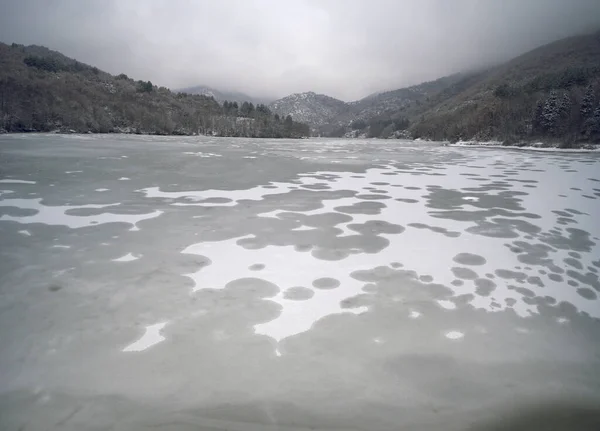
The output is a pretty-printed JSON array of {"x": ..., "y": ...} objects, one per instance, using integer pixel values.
[{"x": 209, "y": 283}]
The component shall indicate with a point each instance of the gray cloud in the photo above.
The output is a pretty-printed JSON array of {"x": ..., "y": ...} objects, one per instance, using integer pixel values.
[{"x": 270, "y": 48}]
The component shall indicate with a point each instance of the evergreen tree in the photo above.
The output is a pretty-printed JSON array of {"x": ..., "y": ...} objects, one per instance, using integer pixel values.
[{"x": 587, "y": 103}]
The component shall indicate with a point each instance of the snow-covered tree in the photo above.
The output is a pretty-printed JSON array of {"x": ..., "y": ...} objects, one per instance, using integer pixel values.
[
  {"x": 551, "y": 113},
  {"x": 587, "y": 103}
]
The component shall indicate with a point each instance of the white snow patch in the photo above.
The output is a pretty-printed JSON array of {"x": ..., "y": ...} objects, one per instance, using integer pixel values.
[
  {"x": 418, "y": 249},
  {"x": 25, "y": 232},
  {"x": 454, "y": 335},
  {"x": 102, "y": 190},
  {"x": 127, "y": 258},
  {"x": 448, "y": 305},
  {"x": 151, "y": 337},
  {"x": 57, "y": 215},
  {"x": 124, "y": 179},
  {"x": 15, "y": 181}
]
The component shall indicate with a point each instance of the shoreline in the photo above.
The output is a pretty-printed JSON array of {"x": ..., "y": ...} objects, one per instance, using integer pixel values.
[{"x": 538, "y": 146}]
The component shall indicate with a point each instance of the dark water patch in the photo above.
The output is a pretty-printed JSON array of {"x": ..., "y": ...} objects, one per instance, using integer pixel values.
[
  {"x": 562, "y": 213},
  {"x": 492, "y": 230},
  {"x": 316, "y": 186},
  {"x": 368, "y": 208},
  {"x": 426, "y": 278},
  {"x": 589, "y": 278},
  {"x": 443, "y": 231},
  {"x": 532, "y": 254},
  {"x": 592, "y": 269},
  {"x": 412, "y": 188},
  {"x": 21, "y": 212},
  {"x": 574, "y": 212},
  {"x": 446, "y": 199},
  {"x": 408, "y": 201},
  {"x": 511, "y": 275},
  {"x": 563, "y": 221},
  {"x": 535, "y": 280},
  {"x": 464, "y": 273},
  {"x": 457, "y": 283},
  {"x": 396, "y": 265},
  {"x": 372, "y": 197},
  {"x": 326, "y": 283},
  {"x": 380, "y": 183},
  {"x": 250, "y": 286},
  {"x": 355, "y": 302},
  {"x": 251, "y": 243},
  {"x": 298, "y": 293},
  {"x": 256, "y": 267},
  {"x": 575, "y": 255},
  {"x": 303, "y": 247},
  {"x": 523, "y": 291},
  {"x": 329, "y": 219},
  {"x": 331, "y": 254},
  {"x": 587, "y": 293},
  {"x": 378, "y": 191},
  {"x": 54, "y": 287},
  {"x": 469, "y": 259},
  {"x": 484, "y": 286},
  {"x": 589, "y": 197},
  {"x": 490, "y": 276},
  {"x": 573, "y": 262},
  {"x": 510, "y": 302},
  {"x": 376, "y": 227},
  {"x": 572, "y": 283},
  {"x": 577, "y": 240},
  {"x": 556, "y": 277},
  {"x": 218, "y": 200},
  {"x": 519, "y": 225}
]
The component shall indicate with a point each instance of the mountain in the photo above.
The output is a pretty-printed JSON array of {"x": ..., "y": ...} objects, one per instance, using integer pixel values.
[
  {"x": 328, "y": 116},
  {"x": 310, "y": 108},
  {"x": 550, "y": 95},
  {"x": 43, "y": 90},
  {"x": 222, "y": 96}
]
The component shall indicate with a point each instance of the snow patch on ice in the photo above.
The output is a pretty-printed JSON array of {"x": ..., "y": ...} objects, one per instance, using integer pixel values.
[
  {"x": 57, "y": 215},
  {"x": 15, "y": 181},
  {"x": 150, "y": 338},
  {"x": 127, "y": 258}
]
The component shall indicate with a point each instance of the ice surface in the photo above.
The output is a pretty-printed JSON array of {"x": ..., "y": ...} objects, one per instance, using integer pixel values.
[{"x": 416, "y": 248}]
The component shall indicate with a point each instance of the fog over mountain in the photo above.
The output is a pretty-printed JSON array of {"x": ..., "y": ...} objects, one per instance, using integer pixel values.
[{"x": 267, "y": 48}]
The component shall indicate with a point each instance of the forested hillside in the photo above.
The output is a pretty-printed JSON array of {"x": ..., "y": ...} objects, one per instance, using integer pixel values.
[
  {"x": 42, "y": 90},
  {"x": 550, "y": 95},
  {"x": 313, "y": 109}
]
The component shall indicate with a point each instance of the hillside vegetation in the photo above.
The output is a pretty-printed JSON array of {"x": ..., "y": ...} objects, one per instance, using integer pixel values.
[
  {"x": 551, "y": 94},
  {"x": 548, "y": 95},
  {"x": 313, "y": 109},
  {"x": 43, "y": 90}
]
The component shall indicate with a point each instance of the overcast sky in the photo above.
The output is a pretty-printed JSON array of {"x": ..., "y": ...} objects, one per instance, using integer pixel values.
[{"x": 271, "y": 48}]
